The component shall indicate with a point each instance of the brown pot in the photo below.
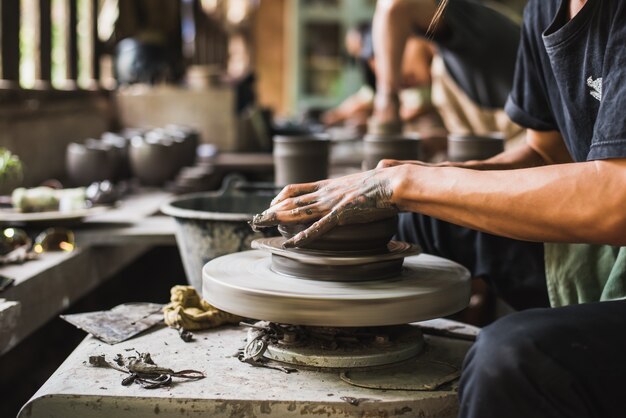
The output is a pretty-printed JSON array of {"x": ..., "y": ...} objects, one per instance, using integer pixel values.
[
  {"x": 402, "y": 147},
  {"x": 474, "y": 147},
  {"x": 90, "y": 162},
  {"x": 300, "y": 158},
  {"x": 154, "y": 163},
  {"x": 120, "y": 144}
]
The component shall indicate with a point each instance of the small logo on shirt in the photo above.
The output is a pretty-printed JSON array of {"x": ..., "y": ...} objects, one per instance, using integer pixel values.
[{"x": 596, "y": 87}]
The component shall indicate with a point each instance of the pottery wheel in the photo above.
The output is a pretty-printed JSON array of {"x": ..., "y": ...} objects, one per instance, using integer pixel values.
[{"x": 244, "y": 284}]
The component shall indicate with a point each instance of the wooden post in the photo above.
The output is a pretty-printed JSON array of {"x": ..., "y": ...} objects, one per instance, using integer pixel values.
[
  {"x": 10, "y": 43},
  {"x": 71, "y": 43},
  {"x": 43, "y": 57},
  {"x": 94, "y": 45}
]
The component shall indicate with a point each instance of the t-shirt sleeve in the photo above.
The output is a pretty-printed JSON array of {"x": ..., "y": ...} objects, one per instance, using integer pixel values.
[
  {"x": 609, "y": 132},
  {"x": 528, "y": 104}
]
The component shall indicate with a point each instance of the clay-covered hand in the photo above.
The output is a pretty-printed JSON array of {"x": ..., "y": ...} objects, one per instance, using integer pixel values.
[{"x": 358, "y": 198}]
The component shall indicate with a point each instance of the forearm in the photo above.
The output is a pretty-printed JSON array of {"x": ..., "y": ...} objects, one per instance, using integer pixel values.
[{"x": 556, "y": 203}]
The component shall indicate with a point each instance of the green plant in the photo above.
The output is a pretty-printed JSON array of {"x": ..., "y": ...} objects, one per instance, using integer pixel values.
[{"x": 10, "y": 166}]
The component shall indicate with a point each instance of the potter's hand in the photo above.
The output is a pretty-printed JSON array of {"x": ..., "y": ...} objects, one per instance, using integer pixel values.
[{"x": 358, "y": 198}]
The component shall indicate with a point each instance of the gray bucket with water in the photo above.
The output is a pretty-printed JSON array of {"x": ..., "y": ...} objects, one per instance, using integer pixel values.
[{"x": 212, "y": 224}]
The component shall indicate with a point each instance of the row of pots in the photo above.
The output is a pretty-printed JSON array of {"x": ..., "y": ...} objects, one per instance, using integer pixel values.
[
  {"x": 304, "y": 158},
  {"x": 153, "y": 156}
]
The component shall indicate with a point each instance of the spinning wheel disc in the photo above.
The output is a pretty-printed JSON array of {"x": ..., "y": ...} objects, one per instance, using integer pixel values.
[{"x": 244, "y": 284}]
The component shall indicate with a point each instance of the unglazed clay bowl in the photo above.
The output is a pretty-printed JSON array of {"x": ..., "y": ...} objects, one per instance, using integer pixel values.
[
  {"x": 474, "y": 147},
  {"x": 154, "y": 162},
  {"x": 90, "y": 162},
  {"x": 372, "y": 236},
  {"x": 121, "y": 144},
  {"x": 189, "y": 138}
]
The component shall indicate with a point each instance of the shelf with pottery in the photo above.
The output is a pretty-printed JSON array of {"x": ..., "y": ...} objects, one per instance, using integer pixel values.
[{"x": 106, "y": 243}]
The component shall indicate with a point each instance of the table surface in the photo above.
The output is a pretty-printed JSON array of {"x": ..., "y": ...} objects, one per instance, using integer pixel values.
[{"x": 231, "y": 388}]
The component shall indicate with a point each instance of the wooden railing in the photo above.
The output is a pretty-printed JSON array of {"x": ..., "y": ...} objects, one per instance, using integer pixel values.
[{"x": 10, "y": 12}]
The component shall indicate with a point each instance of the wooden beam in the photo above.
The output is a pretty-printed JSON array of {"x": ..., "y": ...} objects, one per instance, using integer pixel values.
[
  {"x": 43, "y": 57},
  {"x": 10, "y": 43}
]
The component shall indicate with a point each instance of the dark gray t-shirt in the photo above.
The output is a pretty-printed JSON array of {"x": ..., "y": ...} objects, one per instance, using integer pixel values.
[
  {"x": 571, "y": 76},
  {"x": 479, "y": 49}
]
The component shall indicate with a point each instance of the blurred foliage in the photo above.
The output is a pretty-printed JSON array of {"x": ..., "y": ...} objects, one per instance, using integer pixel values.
[{"x": 10, "y": 166}]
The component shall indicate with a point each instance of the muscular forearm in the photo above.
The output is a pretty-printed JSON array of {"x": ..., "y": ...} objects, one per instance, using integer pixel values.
[{"x": 556, "y": 203}]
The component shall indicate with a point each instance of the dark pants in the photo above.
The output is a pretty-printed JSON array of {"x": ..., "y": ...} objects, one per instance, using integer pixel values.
[
  {"x": 561, "y": 362},
  {"x": 514, "y": 269}
]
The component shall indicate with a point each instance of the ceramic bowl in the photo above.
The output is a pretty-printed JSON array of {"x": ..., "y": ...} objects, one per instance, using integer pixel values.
[
  {"x": 90, "y": 162},
  {"x": 189, "y": 140},
  {"x": 121, "y": 144},
  {"x": 154, "y": 162}
]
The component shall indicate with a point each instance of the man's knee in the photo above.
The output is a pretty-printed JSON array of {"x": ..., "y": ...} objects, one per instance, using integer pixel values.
[{"x": 507, "y": 349}]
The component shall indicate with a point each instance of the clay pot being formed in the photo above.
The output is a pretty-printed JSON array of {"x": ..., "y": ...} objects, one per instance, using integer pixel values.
[
  {"x": 300, "y": 158},
  {"x": 91, "y": 162},
  {"x": 474, "y": 147},
  {"x": 401, "y": 147},
  {"x": 370, "y": 236},
  {"x": 154, "y": 162}
]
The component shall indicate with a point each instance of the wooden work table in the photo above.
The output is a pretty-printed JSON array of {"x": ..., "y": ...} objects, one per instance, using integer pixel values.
[{"x": 106, "y": 243}]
